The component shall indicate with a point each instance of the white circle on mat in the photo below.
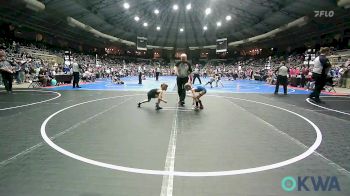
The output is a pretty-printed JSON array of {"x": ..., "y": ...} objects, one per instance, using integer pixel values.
[
  {"x": 330, "y": 109},
  {"x": 302, "y": 156},
  {"x": 29, "y": 104}
]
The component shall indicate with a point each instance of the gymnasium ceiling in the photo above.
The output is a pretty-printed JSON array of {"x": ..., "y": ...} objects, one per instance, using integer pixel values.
[{"x": 248, "y": 18}]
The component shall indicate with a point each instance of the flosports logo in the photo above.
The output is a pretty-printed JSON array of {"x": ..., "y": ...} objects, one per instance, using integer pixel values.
[
  {"x": 323, "y": 13},
  {"x": 310, "y": 183}
]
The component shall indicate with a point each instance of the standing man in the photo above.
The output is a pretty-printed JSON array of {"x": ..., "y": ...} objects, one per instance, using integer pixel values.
[
  {"x": 319, "y": 73},
  {"x": 182, "y": 71},
  {"x": 282, "y": 78},
  {"x": 157, "y": 72},
  {"x": 6, "y": 71},
  {"x": 76, "y": 70},
  {"x": 196, "y": 74},
  {"x": 304, "y": 73},
  {"x": 140, "y": 70}
]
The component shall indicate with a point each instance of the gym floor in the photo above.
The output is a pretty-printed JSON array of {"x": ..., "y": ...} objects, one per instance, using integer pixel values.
[{"x": 95, "y": 141}]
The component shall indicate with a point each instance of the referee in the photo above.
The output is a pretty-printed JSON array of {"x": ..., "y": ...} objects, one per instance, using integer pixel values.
[
  {"x": 182, "y": 70},
  {"x": 282, "y": 78},
  {"x": 140, "y": 71},
  {"x": 76, "y": 70},
  {"x": 157, "y": 72},
  {"x": 196, "y": 74},
  {"x": 319, "y": 73}
]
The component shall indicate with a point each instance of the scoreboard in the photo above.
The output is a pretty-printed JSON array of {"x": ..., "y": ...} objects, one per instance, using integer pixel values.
[
  {"x": 221, "y": 45},
  {"x": 141, "y": 43}
]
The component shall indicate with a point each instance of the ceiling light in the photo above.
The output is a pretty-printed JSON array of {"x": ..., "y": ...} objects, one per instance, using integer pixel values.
[
  {"x": 228, "y": 18},
  {"x": 181, "y": 29},
  {"x": 136, "y": 18},
  {"x": 156, "y": 11},
  {"x": 218, "y": 24},
  {"x": 188, "y": 6},
  {"x": 126, "y": 5},
  {"x": 207, "y": 11},
  {"x": 158, "y": 28},
  {"x": 175, "y": 7},
  {"x": 205, "y": 28},
  {"x": 145, "y": 24}
]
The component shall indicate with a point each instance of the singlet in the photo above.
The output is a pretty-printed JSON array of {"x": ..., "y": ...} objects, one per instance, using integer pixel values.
[
  {"x": 153, "y": 92},
  {"x": 199, "y": 89}
]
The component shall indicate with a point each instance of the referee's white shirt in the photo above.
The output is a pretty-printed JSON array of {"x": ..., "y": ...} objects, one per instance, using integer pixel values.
[
  {"x": 140, "y": 69},
  {"x": 75, "y": 67},
  {"x": 282, "y": 71}
]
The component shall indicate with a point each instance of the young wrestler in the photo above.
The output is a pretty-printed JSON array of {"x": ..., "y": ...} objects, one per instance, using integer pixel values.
[
  {"x": 211, "y": 80},
  {"x": 197, "y": 93},
  {"x": 156, "y": 93},
  {"x": 117, "y": 80},
  {"x": 218, "y": 80}
]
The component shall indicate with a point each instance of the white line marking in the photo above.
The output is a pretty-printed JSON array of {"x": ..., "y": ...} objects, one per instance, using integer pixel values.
[
  {"x": 27, "y": 151},
  {"x": 339, "y": 100},
  {"x": 333, "y": 110},
  {"x": 330, "y": 162},
  {"x": 174, "y": 108},
  {"x": 168, "y": 180},
  {"x": 183, "y": 110},
  {"x": 180, "y": 109},
  {"x": 25, "y": 105},
  {"x": 31, "y": 149},
  {"x": 183, "y": 173}
]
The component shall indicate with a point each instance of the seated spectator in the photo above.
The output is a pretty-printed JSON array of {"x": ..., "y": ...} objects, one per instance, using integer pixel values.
[{"x": 43, "y": 78}]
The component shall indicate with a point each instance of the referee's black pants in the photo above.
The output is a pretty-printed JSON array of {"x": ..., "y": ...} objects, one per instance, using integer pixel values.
[
  {"x": 7, "y": 80},
  {"x": 302, "y": 81},
  {"x": 75, "y": 79},
  {"x": 196, "y": 76},
  {"x": 140, "y": 78},
  {"x": 181, "y": 88},
  {"x": 283, "y": 80},
  {"x": 157, "y": 75},
  {"x": 320, "y": 82}
]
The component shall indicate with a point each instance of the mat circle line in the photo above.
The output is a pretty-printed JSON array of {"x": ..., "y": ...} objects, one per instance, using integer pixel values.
[
  {"x": 29, "y": 104},
  {"x": 330, "y": 109},
  {"x": 302, "y": 156}
]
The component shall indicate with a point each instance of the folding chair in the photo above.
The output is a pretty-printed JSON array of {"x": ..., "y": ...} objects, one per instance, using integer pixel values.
[
  {"x": 35, "y": 83},
  {"x": 331, "y": 83},
  {"x": 330, "y": 88}
]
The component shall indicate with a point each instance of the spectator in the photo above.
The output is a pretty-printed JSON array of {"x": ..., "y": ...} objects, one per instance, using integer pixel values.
[{"x": 6, "y": 70}]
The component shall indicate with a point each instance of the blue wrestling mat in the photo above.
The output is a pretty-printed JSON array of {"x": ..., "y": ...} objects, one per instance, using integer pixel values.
[{"x": 131, "y": 84}]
